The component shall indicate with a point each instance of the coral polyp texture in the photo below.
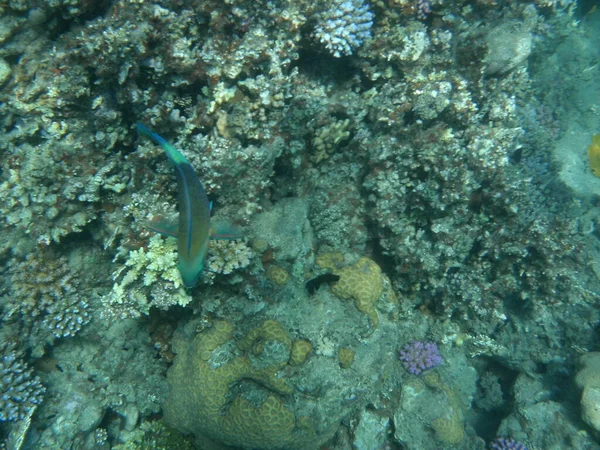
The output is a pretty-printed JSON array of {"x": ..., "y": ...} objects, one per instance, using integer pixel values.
[
  {"x": 361, "y": 282},
  {"x": 417, "y": 356}
]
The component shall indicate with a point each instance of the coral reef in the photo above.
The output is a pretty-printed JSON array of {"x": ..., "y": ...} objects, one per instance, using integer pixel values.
[
  {"x": 588, "y": 381},
  {"x": 419, "y": 424},
  {"x": 299, "y": 352},
  {"x": 422, "y": 161},
  {"x": 204, "y": 373},
  {"x": 346, "y": 357},
  {"x": 150, "y": 277}
]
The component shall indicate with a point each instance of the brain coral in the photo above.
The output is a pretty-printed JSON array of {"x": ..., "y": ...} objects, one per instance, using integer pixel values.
[
  {"x": 232, "y": 394},
  {"x": 361, "y": 282}
]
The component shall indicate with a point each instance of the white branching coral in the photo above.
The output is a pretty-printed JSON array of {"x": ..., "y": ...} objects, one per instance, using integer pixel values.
[
  {"x": 150, "y": 277},
  {"x": 227, "y": 256}
]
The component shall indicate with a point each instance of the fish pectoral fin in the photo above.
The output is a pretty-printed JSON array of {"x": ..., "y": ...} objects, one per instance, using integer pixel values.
[
  {"x": 225, "y": 230},
  {"x": 164, "y": 227}
]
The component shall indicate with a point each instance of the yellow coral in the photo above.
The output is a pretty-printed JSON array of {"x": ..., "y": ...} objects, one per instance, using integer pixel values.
[
  {"x": 278, "y": 275},
  {"x": 594, "y": 155},
  {"x": 148, "y": 278},
  {"x": 270, "y": 330},
  {"x": 270, "y": 424},
  {"x": 328, "y": 139},
  {"x": 300, "y": 351},
  {"x": 346, "y": 357},
  {"x": 449, "y": 430},
  {"x": 362, "y": 282},
  {"x": 329, "y": 260},
  {"x": 202, "y": 399}
]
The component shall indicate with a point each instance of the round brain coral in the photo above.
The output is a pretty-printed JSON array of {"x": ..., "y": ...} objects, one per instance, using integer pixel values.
[{"x": 362, "y": 282}]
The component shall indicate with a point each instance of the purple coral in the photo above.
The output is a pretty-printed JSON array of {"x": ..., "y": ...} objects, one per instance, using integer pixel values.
[
  {"x": 417, "y": 356},
  {"x": 506, "y": 444}
]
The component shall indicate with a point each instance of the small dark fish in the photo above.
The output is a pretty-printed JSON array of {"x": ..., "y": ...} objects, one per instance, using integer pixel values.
[{"x": 313, "y": 285}]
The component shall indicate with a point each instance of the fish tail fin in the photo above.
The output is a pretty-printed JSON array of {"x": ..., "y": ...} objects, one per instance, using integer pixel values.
[
  {"x": 145, "y": 131},
  {"x": 172, "y": 153},
  {"x": 225, "y": 230}
]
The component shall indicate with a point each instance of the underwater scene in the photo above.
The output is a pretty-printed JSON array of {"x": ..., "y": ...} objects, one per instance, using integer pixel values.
[{"x": 299, "y": 225}]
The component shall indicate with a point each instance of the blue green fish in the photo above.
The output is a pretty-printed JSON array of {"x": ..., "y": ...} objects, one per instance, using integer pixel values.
[{"x": 192, "y": 229}]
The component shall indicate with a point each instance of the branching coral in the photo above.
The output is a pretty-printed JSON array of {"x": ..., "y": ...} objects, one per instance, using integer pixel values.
[
  {"x": 344, "y": 26},
  {"x": 20, "y": 389},
  {"x": 150, "y": 277},
  {"x": 45, "y": 296}
]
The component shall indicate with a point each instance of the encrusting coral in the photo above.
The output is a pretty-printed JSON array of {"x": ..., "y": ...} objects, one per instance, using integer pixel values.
[{"x": 420, "y": 147}]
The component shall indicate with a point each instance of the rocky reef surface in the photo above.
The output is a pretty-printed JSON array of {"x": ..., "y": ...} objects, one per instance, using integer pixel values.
[{"x": 419, "y": 266}]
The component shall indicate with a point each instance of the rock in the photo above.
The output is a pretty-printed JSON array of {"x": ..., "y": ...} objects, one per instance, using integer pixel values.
[{"x": 508, "y": 47}]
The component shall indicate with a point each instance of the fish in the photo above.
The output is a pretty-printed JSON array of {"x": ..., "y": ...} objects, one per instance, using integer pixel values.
[
  {"x": 313, "y": 285},
  {"x": 193, "y": 228}
]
